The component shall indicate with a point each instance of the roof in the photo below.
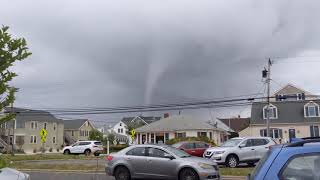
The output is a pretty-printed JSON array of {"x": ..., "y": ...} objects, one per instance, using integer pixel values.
[
  {"x": 291, "y": 89},
  {"x": 148, "y": 120},
  {"x": 236, "y": 124},
  {"x": 176, "y": 123},
  {"x": 32, "y": 115},
  {"x": 288, "y": 112},
  {"x": 74, "y": 124}
]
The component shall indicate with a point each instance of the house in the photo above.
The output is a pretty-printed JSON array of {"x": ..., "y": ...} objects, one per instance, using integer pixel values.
[
  {"x": 24, "y": 130},
  {"x": 176, "y": 127},
  {"x": 236, "y": 124},
  {"x": 293, "y": 112},
  {"x": 120, "y": 129},
  {"x": 77, "y": 130}
]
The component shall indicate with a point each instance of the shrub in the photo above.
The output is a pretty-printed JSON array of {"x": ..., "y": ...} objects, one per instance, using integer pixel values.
[
  {"x": 3, "y": 163},
  {"x": 50, "y": 149},
  {"x": 58, "y": 149},
  {"x": 42, "y": 150},
  {"x": 115, "y": 148},
  {"x": 35, "y": 150},
  {"x": 203, "y": 139},
  {"x": 20, "y": 151}
]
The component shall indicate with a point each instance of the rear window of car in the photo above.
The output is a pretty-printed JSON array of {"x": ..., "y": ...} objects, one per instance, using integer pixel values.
[
  {"x": 98, "y": 143},
  {"x": 260, "y": 165},
  {"x": 200, "y": 145}
]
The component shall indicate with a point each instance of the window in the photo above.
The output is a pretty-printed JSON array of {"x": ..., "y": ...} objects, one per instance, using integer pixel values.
[
  {"x": 53, "y": 140},
  {"x": 154, "y": 152},
  {"x": 119, "y": 130},
  {"x": 152, "y": 138},
  {"x": 314, "y": 131},
  {"x": 181, "y": 135},
  {"x": 273, "y": 113},
  {"x": 201, "y": 145},
  {"x": 45, "y": 126},
  {"x": 309, "y": 164},
  {"x": 311, "y": 110},
  {"x": 166, "y": 136},
  {"x": 139, "y": 151},
  {"x": 84, "y": 143},
  {"x": 210, "y": 135},
  {"x": 189, "y": 146},
  {"x": 54, "y": 126},
  {"x": 249, "y": 143},
  {"x": 274, "y": 133},
  {"x": 202, "y": 134},
  {"x": 34, "y": 125},
  {"x": 120, "y": 124},
  {"x": 260, "y": 142},
  {"x": 72, "y": 133},
  {"x": 33, "y": 139},
  {"x": 98, "y": 143}
]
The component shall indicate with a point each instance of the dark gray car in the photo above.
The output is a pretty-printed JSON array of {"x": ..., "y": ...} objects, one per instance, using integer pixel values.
[{"x": 164, "y": 162}]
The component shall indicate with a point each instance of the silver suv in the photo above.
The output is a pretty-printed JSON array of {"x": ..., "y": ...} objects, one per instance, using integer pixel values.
[
  {"x": 160, "y": 162},
  {"x": 240, "y": 150}
]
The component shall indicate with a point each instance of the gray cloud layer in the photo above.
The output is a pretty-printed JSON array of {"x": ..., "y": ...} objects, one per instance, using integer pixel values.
[{"x": 107, "y": 53}]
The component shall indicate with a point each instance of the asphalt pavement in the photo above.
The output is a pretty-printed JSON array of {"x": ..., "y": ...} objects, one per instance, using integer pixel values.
[{"x": 84, "y": 176}]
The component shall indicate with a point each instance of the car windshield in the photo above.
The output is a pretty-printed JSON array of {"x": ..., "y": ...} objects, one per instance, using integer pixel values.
[
  {"x": 231, "y": 143},
  {"x": 176, "y": 145},
  {"x": 177, "y": 152}
]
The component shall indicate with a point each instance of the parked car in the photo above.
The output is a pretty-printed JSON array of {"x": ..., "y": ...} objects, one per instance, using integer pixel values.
[
  {"x": 155, "y": 161},
  {"x": 298, "y": 161},
  {"x": 84, "y": 147},
  {"x": 240, "y": 150},
  {"x": 12, "y": 174},
  {"x": 194, "y": 148}
]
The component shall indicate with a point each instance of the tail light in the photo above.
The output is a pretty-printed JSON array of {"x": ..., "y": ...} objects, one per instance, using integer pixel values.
[{"x": 109, "y": 158}]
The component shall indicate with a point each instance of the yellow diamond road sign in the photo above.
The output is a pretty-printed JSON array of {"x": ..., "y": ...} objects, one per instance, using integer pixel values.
[
  {"x": 133, "y": 133},
  {"x": 43, "y": 134}
]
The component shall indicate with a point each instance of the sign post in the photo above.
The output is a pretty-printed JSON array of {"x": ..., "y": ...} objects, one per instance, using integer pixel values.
[{"x": 43, "y": 134}]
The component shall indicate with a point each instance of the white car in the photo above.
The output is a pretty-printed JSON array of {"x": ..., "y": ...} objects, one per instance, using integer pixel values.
[
  {"x": 84, "y": 147},
  {"x": 12, "y": 174},
  {"x": 240, "y": 150}
]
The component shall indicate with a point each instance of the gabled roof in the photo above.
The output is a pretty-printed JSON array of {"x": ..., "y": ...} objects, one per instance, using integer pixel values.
[
  {"x": 146, "y": 120},
  {"x": 74, "y": 124},
  {"x": 291, "y": 89},
  {"x": 288, "y": 112},
  {"x": 177, "y": 123},
  {"x": 237, "y": 124}
]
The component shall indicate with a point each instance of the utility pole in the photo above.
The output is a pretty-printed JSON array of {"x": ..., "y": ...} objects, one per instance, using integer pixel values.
[
  {"x": 268, "y": 98},
  {"x": 13, "y": 127}
]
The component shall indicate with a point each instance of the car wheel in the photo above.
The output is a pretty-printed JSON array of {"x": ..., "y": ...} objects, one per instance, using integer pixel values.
[
  {"x": 232, "y": 161},
  {"x": 122, "y": 173},
  {"x": 87, "y": 152},
  {"x": 66, "y": 152},
  {"x": 188, "y": 174}
]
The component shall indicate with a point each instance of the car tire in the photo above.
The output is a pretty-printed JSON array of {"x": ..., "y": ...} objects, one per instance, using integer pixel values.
[
  {"x": 122, "y": 173},
  {"x": 188, "y": 174},
  {"x": 87, "y": 152},
  {"x": 66, "y": 152},
  {"x": 232, "y": 161}
]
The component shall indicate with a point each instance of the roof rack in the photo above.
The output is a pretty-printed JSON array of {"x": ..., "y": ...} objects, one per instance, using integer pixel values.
[{"x": 301, "y": 143}]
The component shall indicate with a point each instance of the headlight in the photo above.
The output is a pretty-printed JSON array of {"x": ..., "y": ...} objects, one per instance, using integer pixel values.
[
  {"x": 205, "y": 166},
  {"x": 219, "y": 152}
]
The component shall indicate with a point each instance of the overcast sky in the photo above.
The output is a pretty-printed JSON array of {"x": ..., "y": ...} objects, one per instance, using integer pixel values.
[{"x": 111, "y": 53}]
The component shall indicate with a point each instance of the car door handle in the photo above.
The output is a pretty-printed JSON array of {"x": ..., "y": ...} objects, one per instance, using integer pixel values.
[
  {"x": 149, "y": 160},
  {"x": 252, "y": 149}
]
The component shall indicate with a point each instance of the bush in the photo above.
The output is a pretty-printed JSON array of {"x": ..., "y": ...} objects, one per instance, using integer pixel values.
[
  {"x": 3, "y": 163},
  {"x": 58, "y": 150},
  {"x": 20, "y": 151},
  {"x": 115, "y": 148},
  {"x": 42, "y": 150},
  {"x": 35, "y": 150},
  {"x": 50, "y": 149},
  {"x": 203, "y": 139}
]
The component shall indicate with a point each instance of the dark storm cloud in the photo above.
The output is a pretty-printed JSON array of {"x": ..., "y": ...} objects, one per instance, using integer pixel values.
[{"x": 105, "y": 53}]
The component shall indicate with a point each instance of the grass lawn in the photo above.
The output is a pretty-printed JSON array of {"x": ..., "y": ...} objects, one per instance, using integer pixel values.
[
  {"x": 8, "y": 157},
  {"x": 235, "y": 171},
  {"x": 78, "y": 167},
  {"x": 3, "y": 163}
]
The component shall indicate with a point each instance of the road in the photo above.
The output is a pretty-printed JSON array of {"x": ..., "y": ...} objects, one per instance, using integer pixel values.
[{"x": 83, "y": 176}]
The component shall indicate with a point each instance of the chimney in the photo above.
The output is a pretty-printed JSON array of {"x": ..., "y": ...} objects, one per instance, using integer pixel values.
[{"x": 166, "y": 115}]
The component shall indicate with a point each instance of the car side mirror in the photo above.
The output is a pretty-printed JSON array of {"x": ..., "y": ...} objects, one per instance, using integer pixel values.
[
  {"x": 241, "y": 146},
  {"x": 168, "y": 156}
]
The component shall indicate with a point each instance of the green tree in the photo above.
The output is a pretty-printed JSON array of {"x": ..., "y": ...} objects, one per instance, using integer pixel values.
[
  {"x": 96, "y": 135},
  {"x": 11, "y": 50}
]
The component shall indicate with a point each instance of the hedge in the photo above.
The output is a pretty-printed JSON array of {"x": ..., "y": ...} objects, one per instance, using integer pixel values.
[
  {"x": 203, "y": 139},
  {"x": 115, "y": 148}
]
